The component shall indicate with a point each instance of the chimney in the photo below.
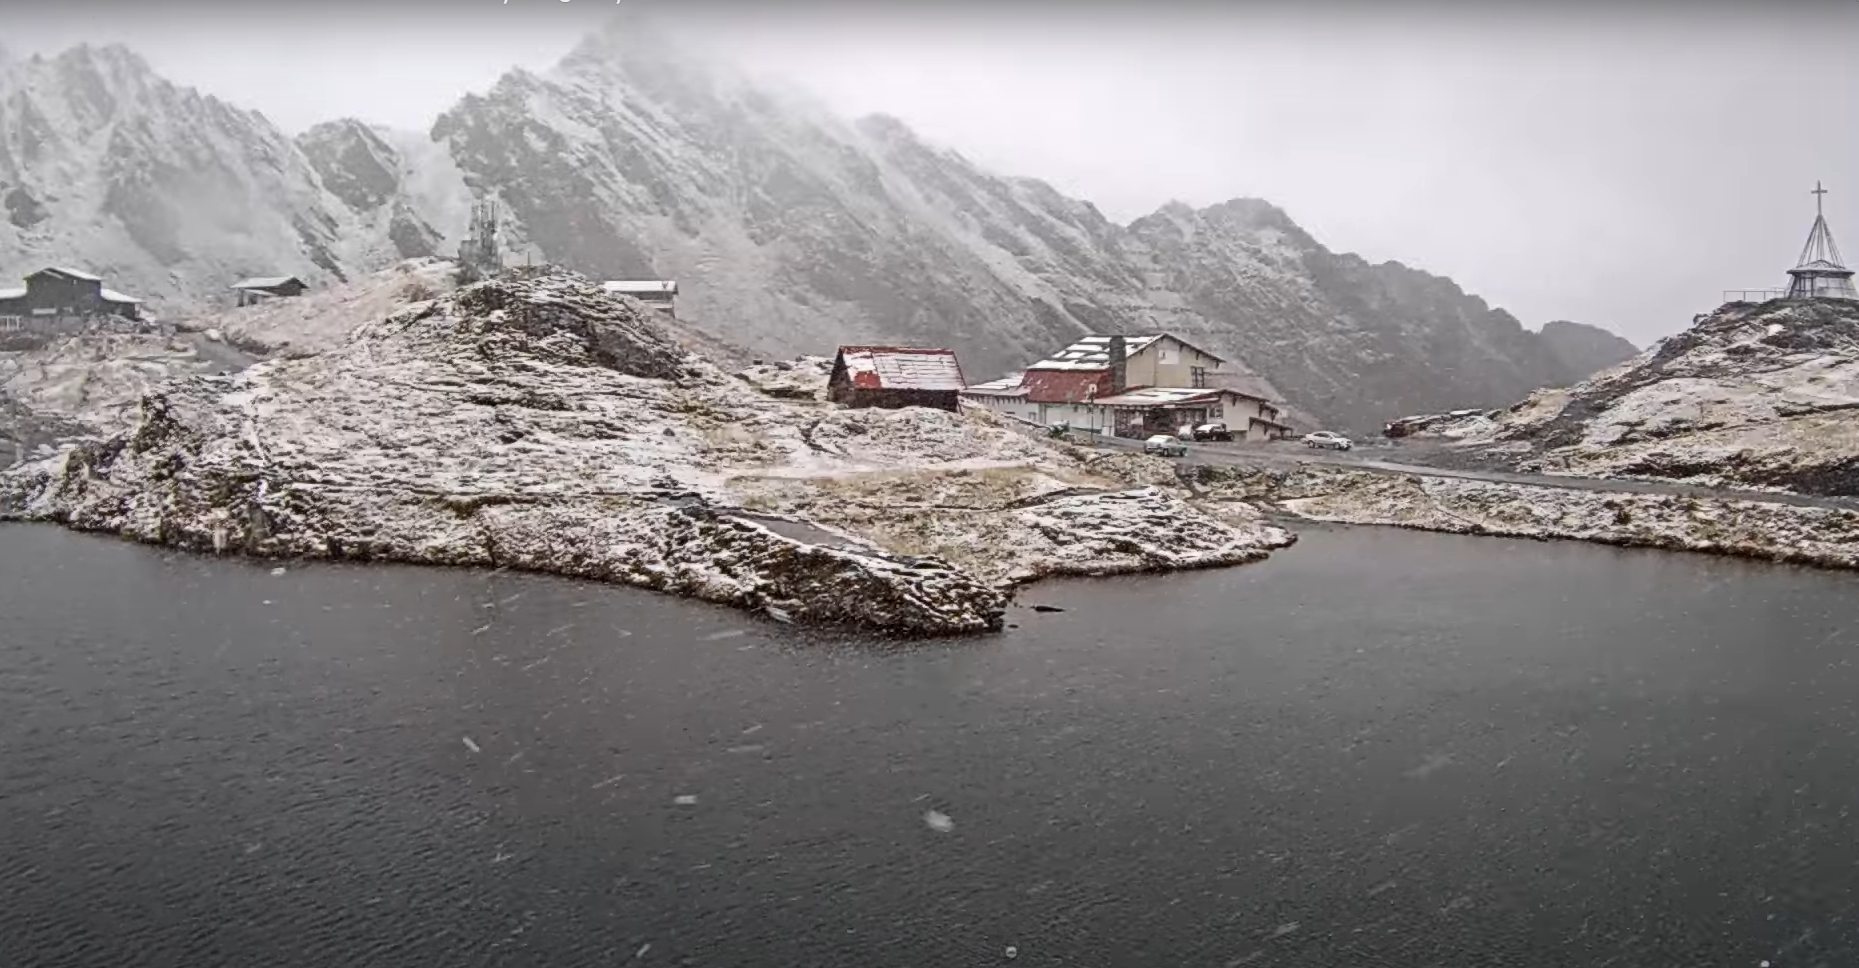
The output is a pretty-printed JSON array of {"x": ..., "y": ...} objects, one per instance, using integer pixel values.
[{"x": 1119, "y": 365}]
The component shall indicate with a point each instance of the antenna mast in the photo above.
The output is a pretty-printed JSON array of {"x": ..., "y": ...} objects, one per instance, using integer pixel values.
[{"x": 480, "y": 255}]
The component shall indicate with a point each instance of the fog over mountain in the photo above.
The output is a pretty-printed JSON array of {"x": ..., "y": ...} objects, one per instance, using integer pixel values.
[
  {"x": 718, "y": 150},
  {"x": 1590, "y": 162}
]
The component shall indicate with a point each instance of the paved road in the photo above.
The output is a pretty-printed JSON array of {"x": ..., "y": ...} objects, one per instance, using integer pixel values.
[{"x": 1288, "y": 453}]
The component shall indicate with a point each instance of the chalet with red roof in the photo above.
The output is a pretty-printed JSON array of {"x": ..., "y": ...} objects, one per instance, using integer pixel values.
[
  {"x": 1130, "y": 386},
  {"x": 895, "y": 376}
]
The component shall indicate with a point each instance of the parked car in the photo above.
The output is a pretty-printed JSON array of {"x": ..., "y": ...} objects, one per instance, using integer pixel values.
[
  {"x": 1212, "y": 431},
  {"x": 1329, "y": 439},
  {"x": 1165, "y": 445}
]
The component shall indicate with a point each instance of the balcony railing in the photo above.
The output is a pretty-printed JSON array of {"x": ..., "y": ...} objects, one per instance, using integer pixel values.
[{"x": 1752, "y": 295}]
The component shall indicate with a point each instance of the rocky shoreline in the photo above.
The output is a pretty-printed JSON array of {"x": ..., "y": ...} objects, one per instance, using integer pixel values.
[
  {"x": 535, "y": 422},
  {"x": 1815, "y": 536}
]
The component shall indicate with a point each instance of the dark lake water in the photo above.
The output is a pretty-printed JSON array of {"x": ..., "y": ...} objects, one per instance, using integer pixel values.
[{"x": 1378, "y": 748}]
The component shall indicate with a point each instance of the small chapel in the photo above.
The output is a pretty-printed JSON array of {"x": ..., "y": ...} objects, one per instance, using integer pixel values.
[{"x": 1820, "y": 273}]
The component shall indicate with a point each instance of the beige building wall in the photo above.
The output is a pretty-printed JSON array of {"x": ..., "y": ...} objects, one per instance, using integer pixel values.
[
  {"x": 1167, "y": 362},
  {"x": 1241, "y": 410}
]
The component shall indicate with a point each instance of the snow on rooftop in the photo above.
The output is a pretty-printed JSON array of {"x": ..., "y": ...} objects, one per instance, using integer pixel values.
[
  {"x": 1161, "y": 396},
  {"x": 1092, "y": 353},
  {"x": 263, "y": 282},
  {"x": 11, "y": 293},
  {"x": 74, "y": 273},
  {"x": 111, "y": 295},
  {"x": 1007, "y": 386},
  {"x": 902, "y": 368}
]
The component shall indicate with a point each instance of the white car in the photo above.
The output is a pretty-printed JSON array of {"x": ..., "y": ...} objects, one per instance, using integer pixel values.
[
  {"x": 1328, "y": 438},
  {"x": 1165, "y": 445}
]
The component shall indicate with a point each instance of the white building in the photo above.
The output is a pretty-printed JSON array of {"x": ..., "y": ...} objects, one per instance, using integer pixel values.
[
  {"x": 660, "y": 294},
  {"x": 1005, "y": 395}
]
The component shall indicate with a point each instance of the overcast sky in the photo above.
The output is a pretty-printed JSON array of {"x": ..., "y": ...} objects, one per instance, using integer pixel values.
[{"x": 1621, "y": 165}]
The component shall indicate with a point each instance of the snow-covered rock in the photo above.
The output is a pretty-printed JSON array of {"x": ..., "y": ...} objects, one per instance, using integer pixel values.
[
  {"x": 1465, "y": 426},
  {"x": 533, "y": 421},
  {"x": 1015, "y": 523},
  {"x": 322, "y": 319},
  {"x": 1823, "y": 537},
  {"x": 801, "y": 378},
  {"x": 1754, "y": 396},
  {"x": 90, "y": 384}
]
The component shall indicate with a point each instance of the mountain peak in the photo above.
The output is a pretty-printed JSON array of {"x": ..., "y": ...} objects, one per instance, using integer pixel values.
[
  {"x": 353, "y": 162},
  {"x": 117, "y": 60},
  {"x": 1252, "y": 213},
  {"x": 631, "y": 35},
  {"x": 887, "y": 127}
]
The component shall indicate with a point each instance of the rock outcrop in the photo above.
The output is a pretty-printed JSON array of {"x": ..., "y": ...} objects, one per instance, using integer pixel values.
[
  {"x": 533, "y": 421},
  {"x": 801, "y": 378},
  {"x": 1753, "y": 396}
]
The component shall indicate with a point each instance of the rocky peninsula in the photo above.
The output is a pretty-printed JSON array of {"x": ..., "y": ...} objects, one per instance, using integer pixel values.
[{"x": 535, "y": 422}]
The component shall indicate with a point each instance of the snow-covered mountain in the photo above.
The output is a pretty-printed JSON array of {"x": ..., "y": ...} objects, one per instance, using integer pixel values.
[
  {"x": 173, "y": 195},
  {"x": 789, "y": 229},
  {"x": 398, "y": 185}
]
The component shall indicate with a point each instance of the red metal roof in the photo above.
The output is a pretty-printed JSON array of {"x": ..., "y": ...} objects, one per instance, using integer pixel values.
[
  {"x": 1066, "y": 386},
  {"x": 902, "y": 368}
]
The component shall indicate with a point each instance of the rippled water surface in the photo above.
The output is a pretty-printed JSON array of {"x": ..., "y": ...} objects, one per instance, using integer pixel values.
[{"x": 1379, "y": 748}]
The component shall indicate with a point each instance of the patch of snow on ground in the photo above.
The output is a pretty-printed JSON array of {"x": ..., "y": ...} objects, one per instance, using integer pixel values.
[{"x": 321, "y": 319}]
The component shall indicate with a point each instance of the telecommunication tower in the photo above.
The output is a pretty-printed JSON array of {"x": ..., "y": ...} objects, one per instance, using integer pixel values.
[{"x": 480, "y": 255}]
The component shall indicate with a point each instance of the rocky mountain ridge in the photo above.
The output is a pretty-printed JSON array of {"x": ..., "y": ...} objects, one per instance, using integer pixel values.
[
  {"x": 789, "y": 229},
  {"x": 171, "y": 194}
]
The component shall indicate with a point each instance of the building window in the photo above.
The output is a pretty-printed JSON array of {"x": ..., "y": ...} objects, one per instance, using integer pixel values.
[{"x": 1197, "y": 377}]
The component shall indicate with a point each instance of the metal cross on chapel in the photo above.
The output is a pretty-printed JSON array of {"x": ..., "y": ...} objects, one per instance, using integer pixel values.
[{"x": 1817, "y": 192}]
